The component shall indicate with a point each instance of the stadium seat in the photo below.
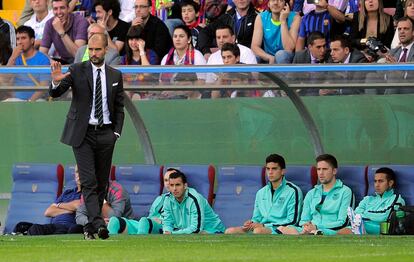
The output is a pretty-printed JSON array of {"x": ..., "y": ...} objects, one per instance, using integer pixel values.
[
  {"x": 300, "y": 176},
  {"x": 35, "y": 187},
  {"x": 199, "y": 177},
  {"x": 70, "y": 176},
  {"x": 143, "y": 183},
  {"x": 236, "y": 193},
  {"x": 405, "y": 181},
  {"x": 354, "y": 177}
]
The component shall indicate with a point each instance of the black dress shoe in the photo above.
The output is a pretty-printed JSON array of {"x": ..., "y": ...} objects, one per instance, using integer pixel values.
[
  {"x": 103, "y": 233},
  {"x": 88, "y": 236}
]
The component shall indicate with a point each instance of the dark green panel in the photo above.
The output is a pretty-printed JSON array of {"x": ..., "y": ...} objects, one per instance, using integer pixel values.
[{"x": 357, "y": 129}]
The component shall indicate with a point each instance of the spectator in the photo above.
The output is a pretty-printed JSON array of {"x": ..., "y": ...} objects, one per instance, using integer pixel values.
[
  {"x": 316, "y": 51},
  {"x": 325, "y": 18},
  {"x": 39, "y": 18},
  {"x": 83, "y": 7},
  {"x": 225, "y": 34},
  {"x": 260, "y": 5},
  {"x": 278, "y": 203},
  {"x": 116, "y": 204},
  {"x": 111, "y": 56},
  {"x": 152, "y": 224},
  {"x": 190, "y": 11},
  {"x": 240, "y": 19},
  {"x": 402, "y": 54},
  {"x": 137, "y": 54},
  {"x": 371, "y": 21},
  {"x": 275, "y": 33},
  {"x": 66, "y": 31},
  {"x": 375, "y": 209},
  {"x": 340, "y": 5},
  {"x": 408, "y": 11},
  {"x": 343, "y": 53},
  {"x": 107, "y": 14},
  {"x": 186, "y": 211},
  {"x": 27, "y": 12},
  {"x": 127, "y": 10},
  {"x": 25, "y": 54},
  {"x": 325, "y": 206},
  {"x": 5, "y": 49},
  {"x": 183, "y": 53},
  {"x": 62, "y": 214},
  {"x": 7, "y": 29},
  {"x": 155, "y": 33}
]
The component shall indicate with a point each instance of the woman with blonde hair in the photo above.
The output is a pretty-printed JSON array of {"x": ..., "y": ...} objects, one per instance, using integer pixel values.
[{"x": 371, "y": 21}]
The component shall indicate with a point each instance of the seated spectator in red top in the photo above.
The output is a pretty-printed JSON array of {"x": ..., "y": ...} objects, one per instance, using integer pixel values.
[
  {"x": 66, "y": 31},
  {"x": 190, "y": 11}
]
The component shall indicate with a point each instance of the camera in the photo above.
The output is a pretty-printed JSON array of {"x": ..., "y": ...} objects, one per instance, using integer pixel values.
[{"x": 375, "y": 45}]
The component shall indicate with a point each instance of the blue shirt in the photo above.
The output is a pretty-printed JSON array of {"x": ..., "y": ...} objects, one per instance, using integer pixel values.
[
  {"x": 272, "y": 33},
  {"x": 30, "y": 79},
  {"x": 67, "y": 196}
]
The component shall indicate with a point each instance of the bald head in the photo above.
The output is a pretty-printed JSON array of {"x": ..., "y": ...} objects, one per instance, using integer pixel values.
[{"x": 98, "y": 38}]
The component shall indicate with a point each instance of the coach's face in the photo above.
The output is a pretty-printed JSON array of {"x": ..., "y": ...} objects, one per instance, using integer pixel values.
[{"x": 97, "y": 49}]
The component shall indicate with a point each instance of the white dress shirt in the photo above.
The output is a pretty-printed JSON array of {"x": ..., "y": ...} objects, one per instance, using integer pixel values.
[{"x": 92, "y": 119}]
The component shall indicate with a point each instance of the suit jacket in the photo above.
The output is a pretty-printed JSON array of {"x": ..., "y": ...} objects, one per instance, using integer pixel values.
[
  {"x": 81, "y": 82},
  {"x": 396, "y": 52},
  {"x": 304, "y": 57}
]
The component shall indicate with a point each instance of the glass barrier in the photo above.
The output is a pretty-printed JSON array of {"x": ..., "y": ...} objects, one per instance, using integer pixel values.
[{"x": 363, "y": 114}]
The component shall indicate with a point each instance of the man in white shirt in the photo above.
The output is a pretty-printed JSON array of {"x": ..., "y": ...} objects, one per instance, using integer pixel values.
[{"x": 38, "y": 20}]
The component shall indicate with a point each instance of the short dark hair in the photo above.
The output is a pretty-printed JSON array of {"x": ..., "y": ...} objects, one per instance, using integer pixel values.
[
  {"x": 312, "y": 37},
  {"x": 67, "y": 1},
  {"x": 225, "y": 26},
  {"x": 192, "y": 3},
  {"x": 275, "y": 158},
  {"x": 390, "y": 174},
  {"x": 233, "y": 48},
  {"x": 178, "y": 174},
  {"x": 344, "y": 40},
  {"x": 329, "y": 159},
  {"x": 26, "y": 29},
  {"x": 107, "y": 5},
  {"x": 135, "y": 32},
  {"x": 406, "y": 18}
]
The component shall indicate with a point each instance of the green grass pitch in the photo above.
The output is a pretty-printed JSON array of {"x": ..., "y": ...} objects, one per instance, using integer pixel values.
[{"x": 208, "y": 248}]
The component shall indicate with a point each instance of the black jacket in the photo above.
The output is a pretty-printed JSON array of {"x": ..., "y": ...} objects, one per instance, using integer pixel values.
[{"x": 207, "y": 36}]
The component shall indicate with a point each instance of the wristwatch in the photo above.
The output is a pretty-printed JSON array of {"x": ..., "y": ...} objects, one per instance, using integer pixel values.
[{"x": 62, "y": 34}]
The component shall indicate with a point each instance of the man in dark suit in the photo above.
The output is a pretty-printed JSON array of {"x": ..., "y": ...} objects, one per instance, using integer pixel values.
[
  {"x": 93, "y": 124},
  {"x": 402, "y": 54},
  {"x": 316, "y": 53},
  {"x": 343, "y": 53}
]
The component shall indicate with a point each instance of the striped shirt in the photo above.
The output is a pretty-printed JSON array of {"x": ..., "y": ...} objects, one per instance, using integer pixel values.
[{"x": 313, "y": 22}]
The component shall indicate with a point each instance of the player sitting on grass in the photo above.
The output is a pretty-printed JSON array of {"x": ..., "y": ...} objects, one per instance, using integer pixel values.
[
  {"x": 277, "y": 204},
  {"x": 186, "y": 211},
  {"x": 325, "y": 206},
  {"x": 375, "y": 209}
]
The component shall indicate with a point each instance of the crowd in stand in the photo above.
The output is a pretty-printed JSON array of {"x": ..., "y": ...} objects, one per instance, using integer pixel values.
[{"x": 193, "y": 32}]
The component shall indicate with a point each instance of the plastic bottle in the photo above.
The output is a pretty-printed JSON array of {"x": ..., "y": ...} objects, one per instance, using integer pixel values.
[{"x": 400, "y": 230}]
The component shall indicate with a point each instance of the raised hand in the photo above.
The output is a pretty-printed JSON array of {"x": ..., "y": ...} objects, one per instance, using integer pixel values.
[
  {"x": 284, "y": 13},
  {"x": 56, "y": 73},
  {"x": 58, "y": 25}
]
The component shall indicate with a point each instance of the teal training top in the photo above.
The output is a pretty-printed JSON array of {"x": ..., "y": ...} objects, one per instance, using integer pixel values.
[
  {"x": 192, "y": 215},
  {"x": 157, "y": 209},
  {"x": 376, "y": 208},
  {"x": 330, "y": 213},
  {"x": 280, "y": 210}
]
